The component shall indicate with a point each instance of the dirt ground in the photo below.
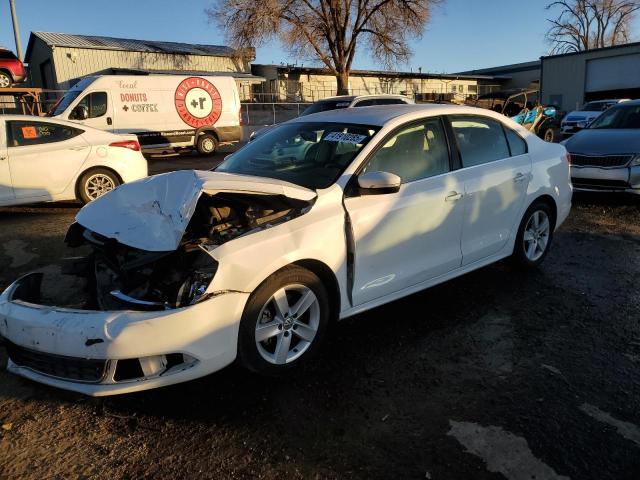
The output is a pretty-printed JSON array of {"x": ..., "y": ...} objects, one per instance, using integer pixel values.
[{"x": 498, "y": 374}]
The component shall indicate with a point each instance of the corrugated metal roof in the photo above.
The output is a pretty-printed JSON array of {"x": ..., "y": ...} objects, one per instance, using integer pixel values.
[{"x": 127, "y": 44}]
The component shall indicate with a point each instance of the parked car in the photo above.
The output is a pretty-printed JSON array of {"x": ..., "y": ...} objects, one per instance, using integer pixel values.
[
  {"x": 606, "y": 155},
  {"x": 42, "y": 160},
  {"x": 166, "y": 112},
  {"x": 575, "y": 121},
  {"x": 193, "y": 270},
  {"x": 344, "y": 101},
  {"x": 11, "y": 69}
]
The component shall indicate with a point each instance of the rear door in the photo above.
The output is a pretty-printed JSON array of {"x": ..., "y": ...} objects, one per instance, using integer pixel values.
[
  {"x": 496, "y": 169},
  {"x": 43, "y": 156},
  {"x": 6, "y": 189}
]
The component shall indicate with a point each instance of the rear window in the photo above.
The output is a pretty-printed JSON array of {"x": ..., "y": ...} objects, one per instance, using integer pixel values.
[
  {"x": 324, "y": 106},
  {"x": 7, "y": 55},
  {"x": 22, "y": 133}
]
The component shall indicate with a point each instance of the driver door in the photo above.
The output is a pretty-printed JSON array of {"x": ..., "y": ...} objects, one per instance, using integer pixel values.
[
  {"x": 98, "y": 108},
  {"x": 405, "y": 238}
]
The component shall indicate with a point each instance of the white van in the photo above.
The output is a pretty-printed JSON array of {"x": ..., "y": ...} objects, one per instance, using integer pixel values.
[{"x": 166, "y": 112}]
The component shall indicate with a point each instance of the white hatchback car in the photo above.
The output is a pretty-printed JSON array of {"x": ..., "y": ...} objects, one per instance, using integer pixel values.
[
  {"x": 42, "y": 159},
  {"x": 326, "y": 216}
]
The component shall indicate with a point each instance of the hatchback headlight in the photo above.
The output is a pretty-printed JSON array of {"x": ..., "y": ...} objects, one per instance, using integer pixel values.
[{"x": 635, "y": 162}]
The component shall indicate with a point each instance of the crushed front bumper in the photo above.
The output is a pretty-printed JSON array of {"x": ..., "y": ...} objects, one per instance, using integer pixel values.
[
  {"x": 106, "y": 353},
  {"x": 594, "y": 179}
]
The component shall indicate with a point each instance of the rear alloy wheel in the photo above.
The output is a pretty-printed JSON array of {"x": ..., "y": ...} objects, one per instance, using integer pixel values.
[
  {"x": 207, "y": 144},
  {"x": 5, "y": 80},
  {"x": 284, "y": 321},
  {"x": 95, "y": 183},
  {"x": 534, "y": 235}
]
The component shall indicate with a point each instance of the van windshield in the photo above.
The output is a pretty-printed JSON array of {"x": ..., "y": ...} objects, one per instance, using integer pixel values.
[{"x": 64, "y": 102}]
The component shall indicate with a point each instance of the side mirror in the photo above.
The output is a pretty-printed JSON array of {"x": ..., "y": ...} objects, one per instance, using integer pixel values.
[
  {"x": 378, "y": 183},
  {"x": 80, "y": 112}
]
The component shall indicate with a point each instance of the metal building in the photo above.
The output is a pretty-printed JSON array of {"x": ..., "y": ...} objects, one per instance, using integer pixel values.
[
  {"x": 571, "y": 79},
  {"x": 58, "y": 60}
]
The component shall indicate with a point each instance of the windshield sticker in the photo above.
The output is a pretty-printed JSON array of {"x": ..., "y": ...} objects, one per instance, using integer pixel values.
[{"x": 345, "y": 137}]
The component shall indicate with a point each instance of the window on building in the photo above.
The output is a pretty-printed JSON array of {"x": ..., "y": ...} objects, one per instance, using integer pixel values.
[{"x": 472, "y": 88}]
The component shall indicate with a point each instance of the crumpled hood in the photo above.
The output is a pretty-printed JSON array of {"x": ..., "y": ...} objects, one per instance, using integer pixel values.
[
  {"x": 153, "y": 213},
  {"x": 604, "y": 142}
]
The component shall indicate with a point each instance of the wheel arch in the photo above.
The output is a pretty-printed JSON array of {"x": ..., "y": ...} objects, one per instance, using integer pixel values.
[
  {"x": 328, "y": 278},
  {"x": 8, "y": 73},
  {"x": 550, "y": 202},
  {"x": 94, "y": 167},
  {"x": 207, "y": 129}
]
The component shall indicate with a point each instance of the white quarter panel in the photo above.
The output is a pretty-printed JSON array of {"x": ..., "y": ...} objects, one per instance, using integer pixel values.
[
  {"x": 495, "y": 193},
  {"x": 404, "y": 238}
]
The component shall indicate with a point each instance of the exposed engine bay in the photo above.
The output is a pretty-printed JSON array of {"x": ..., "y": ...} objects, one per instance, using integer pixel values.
[{"x": 114, "y": 276}]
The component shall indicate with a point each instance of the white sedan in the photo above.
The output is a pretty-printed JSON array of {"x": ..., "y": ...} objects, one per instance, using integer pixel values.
[
  {"x": 42, "y": 159},
  {"x": 325, "y": 217}
]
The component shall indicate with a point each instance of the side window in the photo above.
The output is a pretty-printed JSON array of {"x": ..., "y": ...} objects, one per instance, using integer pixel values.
[
  {"x": 95, "y": 104},
  {"x": 390, "y": 101},
  {"x": 480, "y": 139},
  {"x": 366, "y": 103},
  {"x": 517, "y": 144},
  {"x": 415, "y": 152},
  {"x": 21, "y": 133}
]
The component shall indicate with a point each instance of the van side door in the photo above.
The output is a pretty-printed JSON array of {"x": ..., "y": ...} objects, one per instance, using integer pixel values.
[{"x": 6, "y": 187}]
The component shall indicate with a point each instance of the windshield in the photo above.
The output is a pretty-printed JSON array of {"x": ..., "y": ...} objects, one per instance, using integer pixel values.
[
  {"x": 597, "y": 106},
  {"x": 312, "y": 155},
  {"x": 326, "y": 105},
  {"x": 619, "y": 117},
  {"x": 64, "y": 102}
]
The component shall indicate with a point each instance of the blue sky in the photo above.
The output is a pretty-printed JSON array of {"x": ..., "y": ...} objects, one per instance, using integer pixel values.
[{"x": 462, "y": 35}]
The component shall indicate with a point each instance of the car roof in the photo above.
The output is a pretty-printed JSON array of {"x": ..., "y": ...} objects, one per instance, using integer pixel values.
[{"x": 381, "y": 115}]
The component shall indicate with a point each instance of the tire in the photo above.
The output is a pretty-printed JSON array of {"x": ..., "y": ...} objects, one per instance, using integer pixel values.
[
  {"x": 95, "y": 183},
  {"x": 5, "y": 80},
  {"x": 533, "y": 243},
  {"x": 550, "y": 134},
  {"x": 287, "y": 340},
  {"x": 207, "y": 144}
]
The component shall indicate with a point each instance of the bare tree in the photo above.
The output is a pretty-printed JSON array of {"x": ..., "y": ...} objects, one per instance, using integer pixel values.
[
  {"x": 586, "y": 24},
  {"x": 326, "y": 30}
]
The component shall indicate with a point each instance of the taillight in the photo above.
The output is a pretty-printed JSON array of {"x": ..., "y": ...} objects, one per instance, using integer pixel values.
[{"x": 130, "y": 144}]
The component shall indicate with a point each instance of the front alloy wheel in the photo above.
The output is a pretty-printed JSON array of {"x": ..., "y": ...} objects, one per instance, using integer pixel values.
[
  {"x": 95, "y": 183},
  {"x": 284, "y": 321}
]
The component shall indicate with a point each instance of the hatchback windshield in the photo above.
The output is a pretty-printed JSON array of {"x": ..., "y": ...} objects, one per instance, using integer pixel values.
[
  {"x": 627, "y": 116},
  {"x": 597, "y": 106},
  {"x": 312, "y": 155}
]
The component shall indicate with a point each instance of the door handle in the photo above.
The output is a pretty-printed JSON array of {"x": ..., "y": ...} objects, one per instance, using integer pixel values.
[
  {"x": 109, "y": 121},
  {"x": 453, "y": 197},
  {"x": 519, "y": 178},
  {"x": 2, "y": 158}
]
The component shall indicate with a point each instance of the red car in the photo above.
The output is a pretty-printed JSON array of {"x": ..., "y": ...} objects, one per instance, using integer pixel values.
[{"x": 11, "y": 69}]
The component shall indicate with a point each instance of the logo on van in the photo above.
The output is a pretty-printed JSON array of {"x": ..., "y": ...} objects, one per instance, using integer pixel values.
[{"x": 198, "y": 102}]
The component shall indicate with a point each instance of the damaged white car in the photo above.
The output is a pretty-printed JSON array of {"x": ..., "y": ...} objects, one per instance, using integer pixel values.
[{"x": 324, "y": 217}]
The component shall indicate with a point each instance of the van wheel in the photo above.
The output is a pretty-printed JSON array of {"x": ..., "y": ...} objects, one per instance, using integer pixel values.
[
  {"x": 5, "y": 80},
  {"x": 284, "y": 322},
  {"x": 207, "y": 144},
  {"x": 95, "y": 183},
  {"x": 550, "y": 134}
]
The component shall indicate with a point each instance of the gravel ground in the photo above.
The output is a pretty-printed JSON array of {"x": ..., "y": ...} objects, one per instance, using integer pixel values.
[{"x": 498, "y": 374}]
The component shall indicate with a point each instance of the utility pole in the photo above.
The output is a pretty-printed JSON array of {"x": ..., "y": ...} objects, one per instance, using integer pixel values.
[{"x": 16, "y": 29}]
